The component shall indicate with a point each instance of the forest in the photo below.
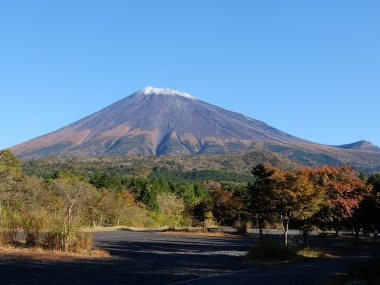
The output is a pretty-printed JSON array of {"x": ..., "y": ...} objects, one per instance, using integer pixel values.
[
  {"x": 50, "y": 207},
  {"x": 176, "y": 167}
]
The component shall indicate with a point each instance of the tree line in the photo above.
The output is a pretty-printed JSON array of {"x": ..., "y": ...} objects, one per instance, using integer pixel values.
[{"x": 59, "y": 204}]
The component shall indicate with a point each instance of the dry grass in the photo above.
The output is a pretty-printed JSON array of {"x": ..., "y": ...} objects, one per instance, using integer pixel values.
[{"x": 41, "y": 254}]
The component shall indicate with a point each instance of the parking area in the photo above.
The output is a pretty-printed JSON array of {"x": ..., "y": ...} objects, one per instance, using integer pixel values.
[{"x": 137, "y": 257}]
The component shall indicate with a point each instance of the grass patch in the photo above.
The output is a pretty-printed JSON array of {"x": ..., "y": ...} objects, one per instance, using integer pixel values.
[
  {"x": 273, "y": 251},
  {"x": 312, "y": 252}
]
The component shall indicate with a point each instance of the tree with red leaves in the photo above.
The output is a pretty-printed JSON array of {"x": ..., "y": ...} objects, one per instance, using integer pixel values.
[
  {"x": 295, "y": 197},
  {"x": 225, "y": 206},
  {"x": 343, "y": 190}
]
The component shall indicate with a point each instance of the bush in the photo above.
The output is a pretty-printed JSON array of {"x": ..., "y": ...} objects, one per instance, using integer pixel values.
[
  {"x": 7, "y": 236},
  {"x": 53, "y": 240},
  {"x": 33, "y": 224},
  {"x": 9, "y": 227}
]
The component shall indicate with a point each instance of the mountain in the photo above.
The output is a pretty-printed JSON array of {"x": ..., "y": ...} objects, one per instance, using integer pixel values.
[
  {"x": 360, "y": 145},
  {"x": 155, "y": 121},
  {"x": 159, "y": 121}
]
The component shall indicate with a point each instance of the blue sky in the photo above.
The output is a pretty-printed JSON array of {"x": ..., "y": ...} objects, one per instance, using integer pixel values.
[{"x": 309, "y": 68}]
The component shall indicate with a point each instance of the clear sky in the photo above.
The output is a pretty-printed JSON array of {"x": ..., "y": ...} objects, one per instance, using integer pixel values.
[{"x": 309, "y": 68}]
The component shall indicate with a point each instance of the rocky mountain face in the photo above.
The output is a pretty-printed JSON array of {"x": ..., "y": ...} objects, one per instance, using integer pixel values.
[{"x": 159, "y": 121}]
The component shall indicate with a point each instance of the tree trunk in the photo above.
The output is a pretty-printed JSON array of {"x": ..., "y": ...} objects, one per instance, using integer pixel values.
[
  {"x": 260, "y": 229},
  {"x": 243, "y": 226},
  {"x": 69, "y": 208},
  {"x": 285, "y": 228},
  {"x": 306, "y": 238},
  {"x": 93, "y": 218},
  {"x": 69, "y": 215},
  {"x": 357, "y": 231},
  {"x": 337, "y": 228}
]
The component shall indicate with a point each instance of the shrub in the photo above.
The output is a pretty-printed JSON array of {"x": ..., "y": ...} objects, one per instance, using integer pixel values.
[
  {"x": 7, "y": 236},
  {"x": 9, "y": 227},
  {"x": 33, "y": 224},
  {"x": 53, "y": 240}
]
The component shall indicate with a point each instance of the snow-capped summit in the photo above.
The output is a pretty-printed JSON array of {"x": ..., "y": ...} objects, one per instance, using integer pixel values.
[{"x": 165, "y": 91}]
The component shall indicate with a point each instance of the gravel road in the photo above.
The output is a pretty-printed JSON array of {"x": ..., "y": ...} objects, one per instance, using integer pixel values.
[{"x": 146, "y": 257}]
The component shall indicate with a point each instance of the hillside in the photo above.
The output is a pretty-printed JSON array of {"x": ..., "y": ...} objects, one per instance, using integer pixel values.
[{"x": 179, "y": 167}]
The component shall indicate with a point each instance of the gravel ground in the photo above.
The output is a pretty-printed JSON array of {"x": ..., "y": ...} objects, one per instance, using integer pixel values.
[{"x": 146, "y": 257}]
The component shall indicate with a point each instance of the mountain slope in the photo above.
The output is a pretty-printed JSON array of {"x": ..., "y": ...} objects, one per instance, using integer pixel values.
[{"x": 158, "y": 121}]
